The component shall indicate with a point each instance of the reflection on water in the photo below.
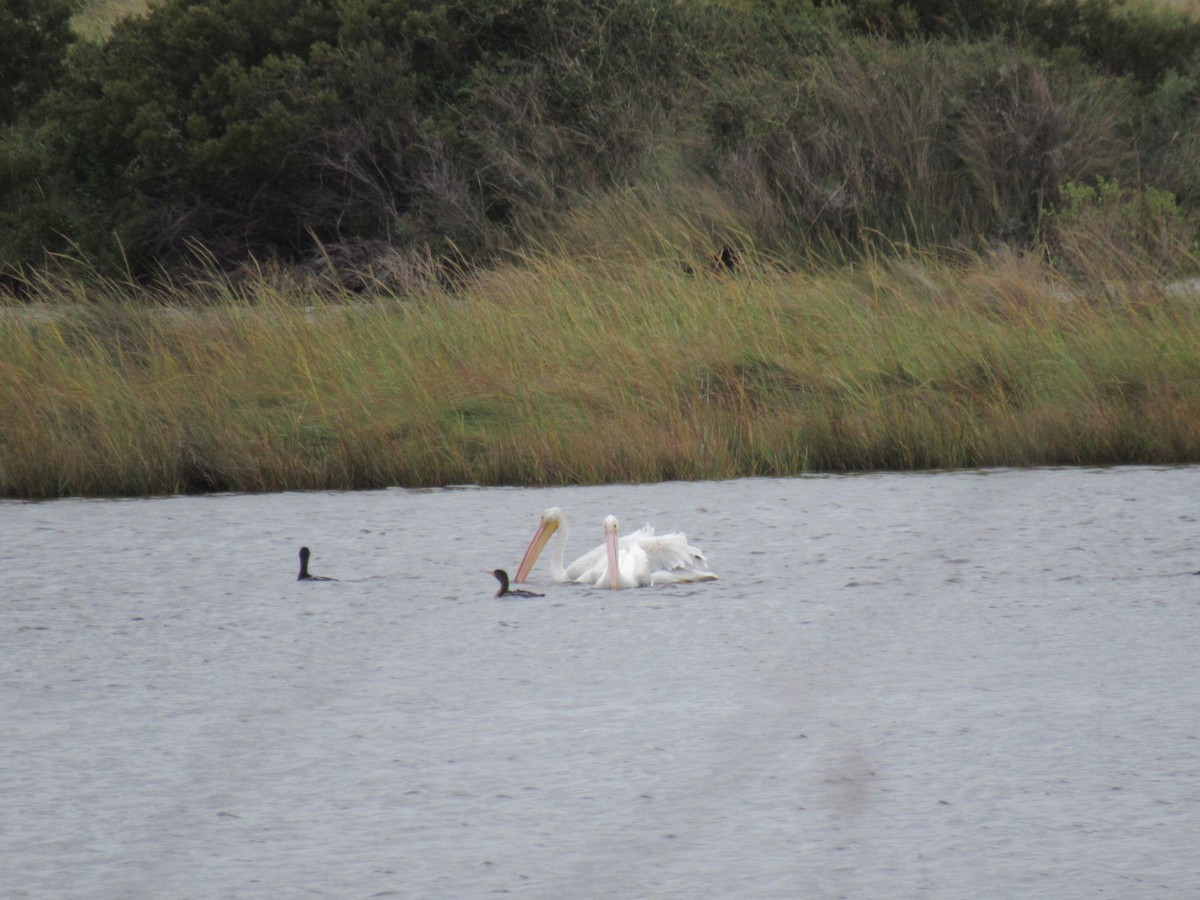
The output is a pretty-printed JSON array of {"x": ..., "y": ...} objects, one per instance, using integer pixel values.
[{"x": 949, "y": 684}]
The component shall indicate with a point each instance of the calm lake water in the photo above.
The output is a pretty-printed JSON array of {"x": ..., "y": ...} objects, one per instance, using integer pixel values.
[{"x": 952, "y": 685}]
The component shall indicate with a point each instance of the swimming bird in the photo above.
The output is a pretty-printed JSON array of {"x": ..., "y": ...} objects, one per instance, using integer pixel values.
[
  {"x": 505, "y": 591},
  {"x": 648, "y": 560},
  {"x": 554, "y": 522},
  {"x": 651, "y": 559},
  {"x": 305, "y": 553}
]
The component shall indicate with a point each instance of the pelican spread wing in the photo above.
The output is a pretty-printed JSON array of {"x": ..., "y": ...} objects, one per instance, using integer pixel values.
[
  {"x": 584, "y": 569},
  {"x": 647, "y": 559}
]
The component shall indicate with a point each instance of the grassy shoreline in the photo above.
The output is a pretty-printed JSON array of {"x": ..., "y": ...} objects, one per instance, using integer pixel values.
[
  {"x": 584, "y": 167},
  {"x": 563, "y": 370}
]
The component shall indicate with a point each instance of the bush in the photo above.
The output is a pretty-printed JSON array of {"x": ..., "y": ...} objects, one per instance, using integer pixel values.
[
  {"x": 266, "y": 127},
  {"x": 1108, "y": 228},
  {"x": 1141, "y": 40},
  {"x": 922, "y": 144},
  {"x": 363, "y": 131},
  {"x": 34, "y": 37}
]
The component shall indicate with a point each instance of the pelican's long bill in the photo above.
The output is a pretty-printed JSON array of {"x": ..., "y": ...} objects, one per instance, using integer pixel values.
[
  {"x": 546, "y": 528},
  {"x": 610, "y": 544}
]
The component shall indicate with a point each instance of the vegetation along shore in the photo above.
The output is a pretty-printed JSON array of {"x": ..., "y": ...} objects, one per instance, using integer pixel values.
[{"x": 377, "y": 242}]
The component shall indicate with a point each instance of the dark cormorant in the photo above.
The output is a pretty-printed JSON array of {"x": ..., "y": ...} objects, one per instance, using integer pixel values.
[
  {"x": 502, "y": 577},
  {"x": 305, "y": 553}
]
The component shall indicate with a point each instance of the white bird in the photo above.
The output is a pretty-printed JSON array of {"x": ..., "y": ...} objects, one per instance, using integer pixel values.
[
  {"x": 646, "y": 560},
  {"x": 554, "y": 521},
  {"x": 641, "y": 558}
]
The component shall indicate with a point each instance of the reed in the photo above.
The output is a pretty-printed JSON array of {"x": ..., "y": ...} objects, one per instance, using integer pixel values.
[{"x": 565, "y": 368}]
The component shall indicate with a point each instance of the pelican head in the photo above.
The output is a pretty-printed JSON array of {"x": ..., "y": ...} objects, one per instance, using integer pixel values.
[{"x": 550, "y": 522}]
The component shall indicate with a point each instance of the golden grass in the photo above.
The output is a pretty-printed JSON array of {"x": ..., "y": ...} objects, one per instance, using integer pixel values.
[
  {"x": 1189, "y": 7},
  {"x": 568, "y": 370},
  {"x": 96, "y": 18}
]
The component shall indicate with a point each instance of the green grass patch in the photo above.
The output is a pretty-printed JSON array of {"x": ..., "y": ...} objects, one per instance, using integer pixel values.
[{"x": 563, "y": 369}]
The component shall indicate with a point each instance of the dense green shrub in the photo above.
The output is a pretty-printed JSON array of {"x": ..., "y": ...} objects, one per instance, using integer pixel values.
[
  {"x": 1119, "y": 38},
  {"x": 1169, "y": 137},
  {"x": 1137, "y": 40},
  {"x": 925, "y": 143},
  {"x": 355, "y": 130},
  {"x": 266, "y": 126},
  {"x": 1106, "y": 227},
  {"x": 34, "y": 37}
]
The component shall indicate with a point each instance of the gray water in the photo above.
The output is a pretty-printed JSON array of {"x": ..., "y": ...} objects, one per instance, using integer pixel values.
[{"x": 952, "y": 685}]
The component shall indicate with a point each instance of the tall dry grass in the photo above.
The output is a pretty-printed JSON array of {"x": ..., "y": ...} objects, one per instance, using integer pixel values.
[
  {"x": 1188, "y": 7},
  {"x": 571, "y": 368},
  {"x": 96, "y": 18}
]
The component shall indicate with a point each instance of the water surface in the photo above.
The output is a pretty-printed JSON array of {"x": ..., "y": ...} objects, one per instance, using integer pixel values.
[{"x": 970, "y": 684}]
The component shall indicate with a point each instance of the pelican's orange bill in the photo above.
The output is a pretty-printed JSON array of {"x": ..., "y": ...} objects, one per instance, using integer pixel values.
[
  {"x": 540, "y": 539},
  {"x": 610, "y": 541}
]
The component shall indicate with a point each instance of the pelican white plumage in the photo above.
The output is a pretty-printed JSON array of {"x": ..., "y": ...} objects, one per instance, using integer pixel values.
[
  {"x": 647, "y": 559},
  {"x": 642, "y": 558},
  {"x": 552, "y": 522}
]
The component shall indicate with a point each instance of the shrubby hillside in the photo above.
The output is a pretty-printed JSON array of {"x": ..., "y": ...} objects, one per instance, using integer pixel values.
[{"x": 389, "y": 133}]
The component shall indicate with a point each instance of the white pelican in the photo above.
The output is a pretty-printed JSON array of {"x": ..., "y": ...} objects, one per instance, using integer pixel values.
[
  {"x": 646, "y": 560},
  {"x": 665, "y": 559},
  {"x": 555, "y": 520}
]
